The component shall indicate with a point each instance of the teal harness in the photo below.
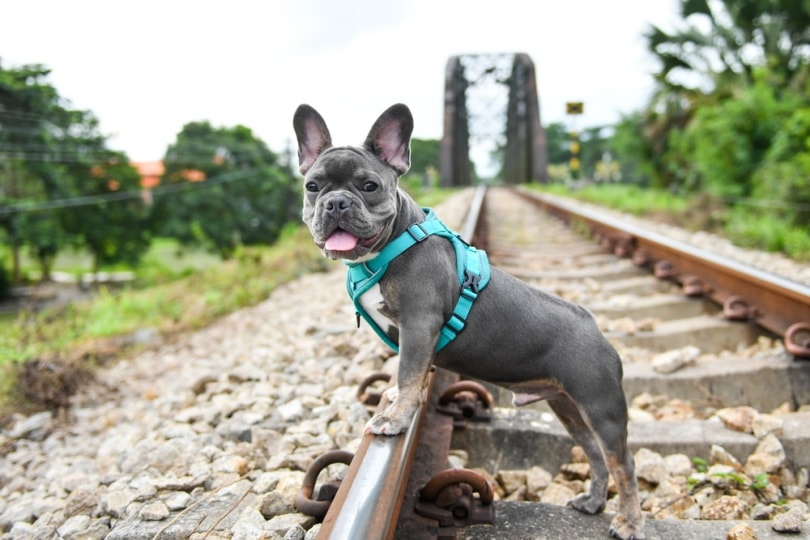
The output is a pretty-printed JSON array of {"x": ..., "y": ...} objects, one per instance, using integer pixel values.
[{"x": 472, "y": 267}]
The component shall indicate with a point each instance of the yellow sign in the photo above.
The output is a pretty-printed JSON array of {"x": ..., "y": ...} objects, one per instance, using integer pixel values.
[
  {"x": 574, "y": 164},
  {"x": 574, "y": 147},
  {"x": 574, "y": 107}
]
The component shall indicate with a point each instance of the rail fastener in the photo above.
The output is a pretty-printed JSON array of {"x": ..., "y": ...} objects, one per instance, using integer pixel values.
[
  {"x": 466, "y": 401},
  {"x": 449, "y": 499}
]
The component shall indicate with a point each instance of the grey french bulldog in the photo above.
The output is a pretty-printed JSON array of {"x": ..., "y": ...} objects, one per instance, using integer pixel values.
[{"x": 537, "y": 345}]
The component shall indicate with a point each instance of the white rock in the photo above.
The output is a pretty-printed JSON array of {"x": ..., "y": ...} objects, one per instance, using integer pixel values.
[{"x": 671, "y": 361}]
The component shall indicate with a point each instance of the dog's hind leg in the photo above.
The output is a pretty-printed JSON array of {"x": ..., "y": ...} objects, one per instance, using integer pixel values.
[
  {"x": 608, "y": 420},
  {"x": 629, "y": 522},
  {"x": 569, "y": 414}
]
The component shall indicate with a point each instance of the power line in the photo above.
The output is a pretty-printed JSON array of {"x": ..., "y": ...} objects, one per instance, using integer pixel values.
[
  {"x": 87, "y": 200},
  {"x": 43, "y": 154},
  {"x": 23, "y": 115}
]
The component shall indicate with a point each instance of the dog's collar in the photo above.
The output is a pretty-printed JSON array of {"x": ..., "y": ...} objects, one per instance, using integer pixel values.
[{"x": 472, "y": 268}]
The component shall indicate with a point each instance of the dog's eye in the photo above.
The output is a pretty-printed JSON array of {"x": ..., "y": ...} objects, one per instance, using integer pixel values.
[
  {"x": 368, "y": 187},
  {"x": 311, "y": 187}
]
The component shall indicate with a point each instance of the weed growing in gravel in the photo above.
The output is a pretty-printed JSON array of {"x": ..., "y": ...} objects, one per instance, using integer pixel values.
[{"x": 758, "y": 485}]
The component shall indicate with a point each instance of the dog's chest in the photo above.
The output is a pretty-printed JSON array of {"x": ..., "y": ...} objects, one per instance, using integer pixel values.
[{"x": 374, "y": 305}]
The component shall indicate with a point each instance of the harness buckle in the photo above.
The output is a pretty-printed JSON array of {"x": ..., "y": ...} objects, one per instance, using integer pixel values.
[
  {"x": 460, "y": 239},
  {"x": 418, "y": 236},
  {"x": 471, "y": 281}
]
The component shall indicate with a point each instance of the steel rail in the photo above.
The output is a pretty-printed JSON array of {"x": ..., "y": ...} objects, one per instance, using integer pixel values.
[
  {"x": 367, "y": 504},
  {"x": 778, "y": 302}
]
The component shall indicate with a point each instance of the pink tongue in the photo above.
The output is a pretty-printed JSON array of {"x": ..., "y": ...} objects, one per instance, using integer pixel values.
[{"x": 341, "y": 241}]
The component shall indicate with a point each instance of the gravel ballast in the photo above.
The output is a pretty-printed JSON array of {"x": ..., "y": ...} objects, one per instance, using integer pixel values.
[{"x": 209, "y": 434}]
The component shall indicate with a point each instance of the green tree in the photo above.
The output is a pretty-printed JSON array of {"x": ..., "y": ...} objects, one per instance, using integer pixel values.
[
  {"x": 44, "y": 236},
  {"x": 57, "y": 175},
  {"x": 424, "y": 162},
  {"x": 630, "y": 148},
  {"x": 593, "y": 145},
  {"x": 784, "y": 175},
  {"x": 229, "y": 189},
  {"x": 726, "y": 57},
  {"x": 558, "y": 142},
  {"x": 25, "y": 101},
  {"x": 727, "y": 143},
  {"x": 721, "y": 43},
  {"x": 115, "y": 222}
]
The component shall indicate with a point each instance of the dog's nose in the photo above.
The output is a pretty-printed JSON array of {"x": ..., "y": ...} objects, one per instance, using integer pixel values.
[{"x": 338, "y": 204}]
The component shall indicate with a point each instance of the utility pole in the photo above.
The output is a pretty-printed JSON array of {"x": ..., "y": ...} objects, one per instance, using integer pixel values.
[{"x": 574, "y": 109}]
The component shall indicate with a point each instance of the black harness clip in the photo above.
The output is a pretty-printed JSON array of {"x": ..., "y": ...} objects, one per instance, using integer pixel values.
[{"x": 471, "y": 281}]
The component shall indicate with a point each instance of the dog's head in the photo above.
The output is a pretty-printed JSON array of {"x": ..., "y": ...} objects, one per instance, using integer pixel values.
[{"x": 349, "y": 192}]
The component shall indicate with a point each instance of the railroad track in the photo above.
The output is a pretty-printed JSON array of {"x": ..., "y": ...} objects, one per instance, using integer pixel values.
[{"x": 698, "y": 334}]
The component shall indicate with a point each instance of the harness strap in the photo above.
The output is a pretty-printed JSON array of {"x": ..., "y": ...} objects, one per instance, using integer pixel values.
[{"x": 472, "y": 268}]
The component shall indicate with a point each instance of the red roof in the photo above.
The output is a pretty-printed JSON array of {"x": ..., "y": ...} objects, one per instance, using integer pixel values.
[{"x": 150, "y": 172}]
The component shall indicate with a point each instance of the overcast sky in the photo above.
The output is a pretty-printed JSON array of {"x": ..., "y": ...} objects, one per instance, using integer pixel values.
[{"x": 147, "y": 68}]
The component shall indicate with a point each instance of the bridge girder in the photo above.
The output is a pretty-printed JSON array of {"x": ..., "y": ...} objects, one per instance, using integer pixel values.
[{"x": 516, "y": 131}]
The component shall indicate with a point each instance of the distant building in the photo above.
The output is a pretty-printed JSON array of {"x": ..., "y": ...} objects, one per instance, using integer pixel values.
[{"x": 150, "y": 172}]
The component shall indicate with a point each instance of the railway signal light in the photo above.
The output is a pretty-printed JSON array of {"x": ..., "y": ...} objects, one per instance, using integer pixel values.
[{"x": 574, "y": 107}]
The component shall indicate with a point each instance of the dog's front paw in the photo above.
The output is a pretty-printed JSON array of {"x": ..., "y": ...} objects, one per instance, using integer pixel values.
[
  {"x": 622, "y": 529},
  {"x": 587, "y": 503},
  {"x": 392, "y": 393},
  {"x": 389, "y": 422}
]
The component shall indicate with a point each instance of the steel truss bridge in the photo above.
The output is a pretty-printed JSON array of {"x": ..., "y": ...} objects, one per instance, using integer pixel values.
[{"x": 492, "y": 119}]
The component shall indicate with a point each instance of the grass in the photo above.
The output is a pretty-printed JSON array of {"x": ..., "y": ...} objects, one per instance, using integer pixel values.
[
  {"x": 744, "y": 226},
  {"x": 165, "y": 261},
  {"x": 175, "y": 292},
  {"x": 84, "y": 332},
  {"x": 185, "y": 303},
  {"x": 626, "y": 198},
  {"x": 748, "y": 228}
]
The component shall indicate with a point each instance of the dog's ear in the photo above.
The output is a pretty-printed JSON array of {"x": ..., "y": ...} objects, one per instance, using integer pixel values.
[
  {"x": 312, "y": 134},
  {"x": 390, "y": 137}
]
